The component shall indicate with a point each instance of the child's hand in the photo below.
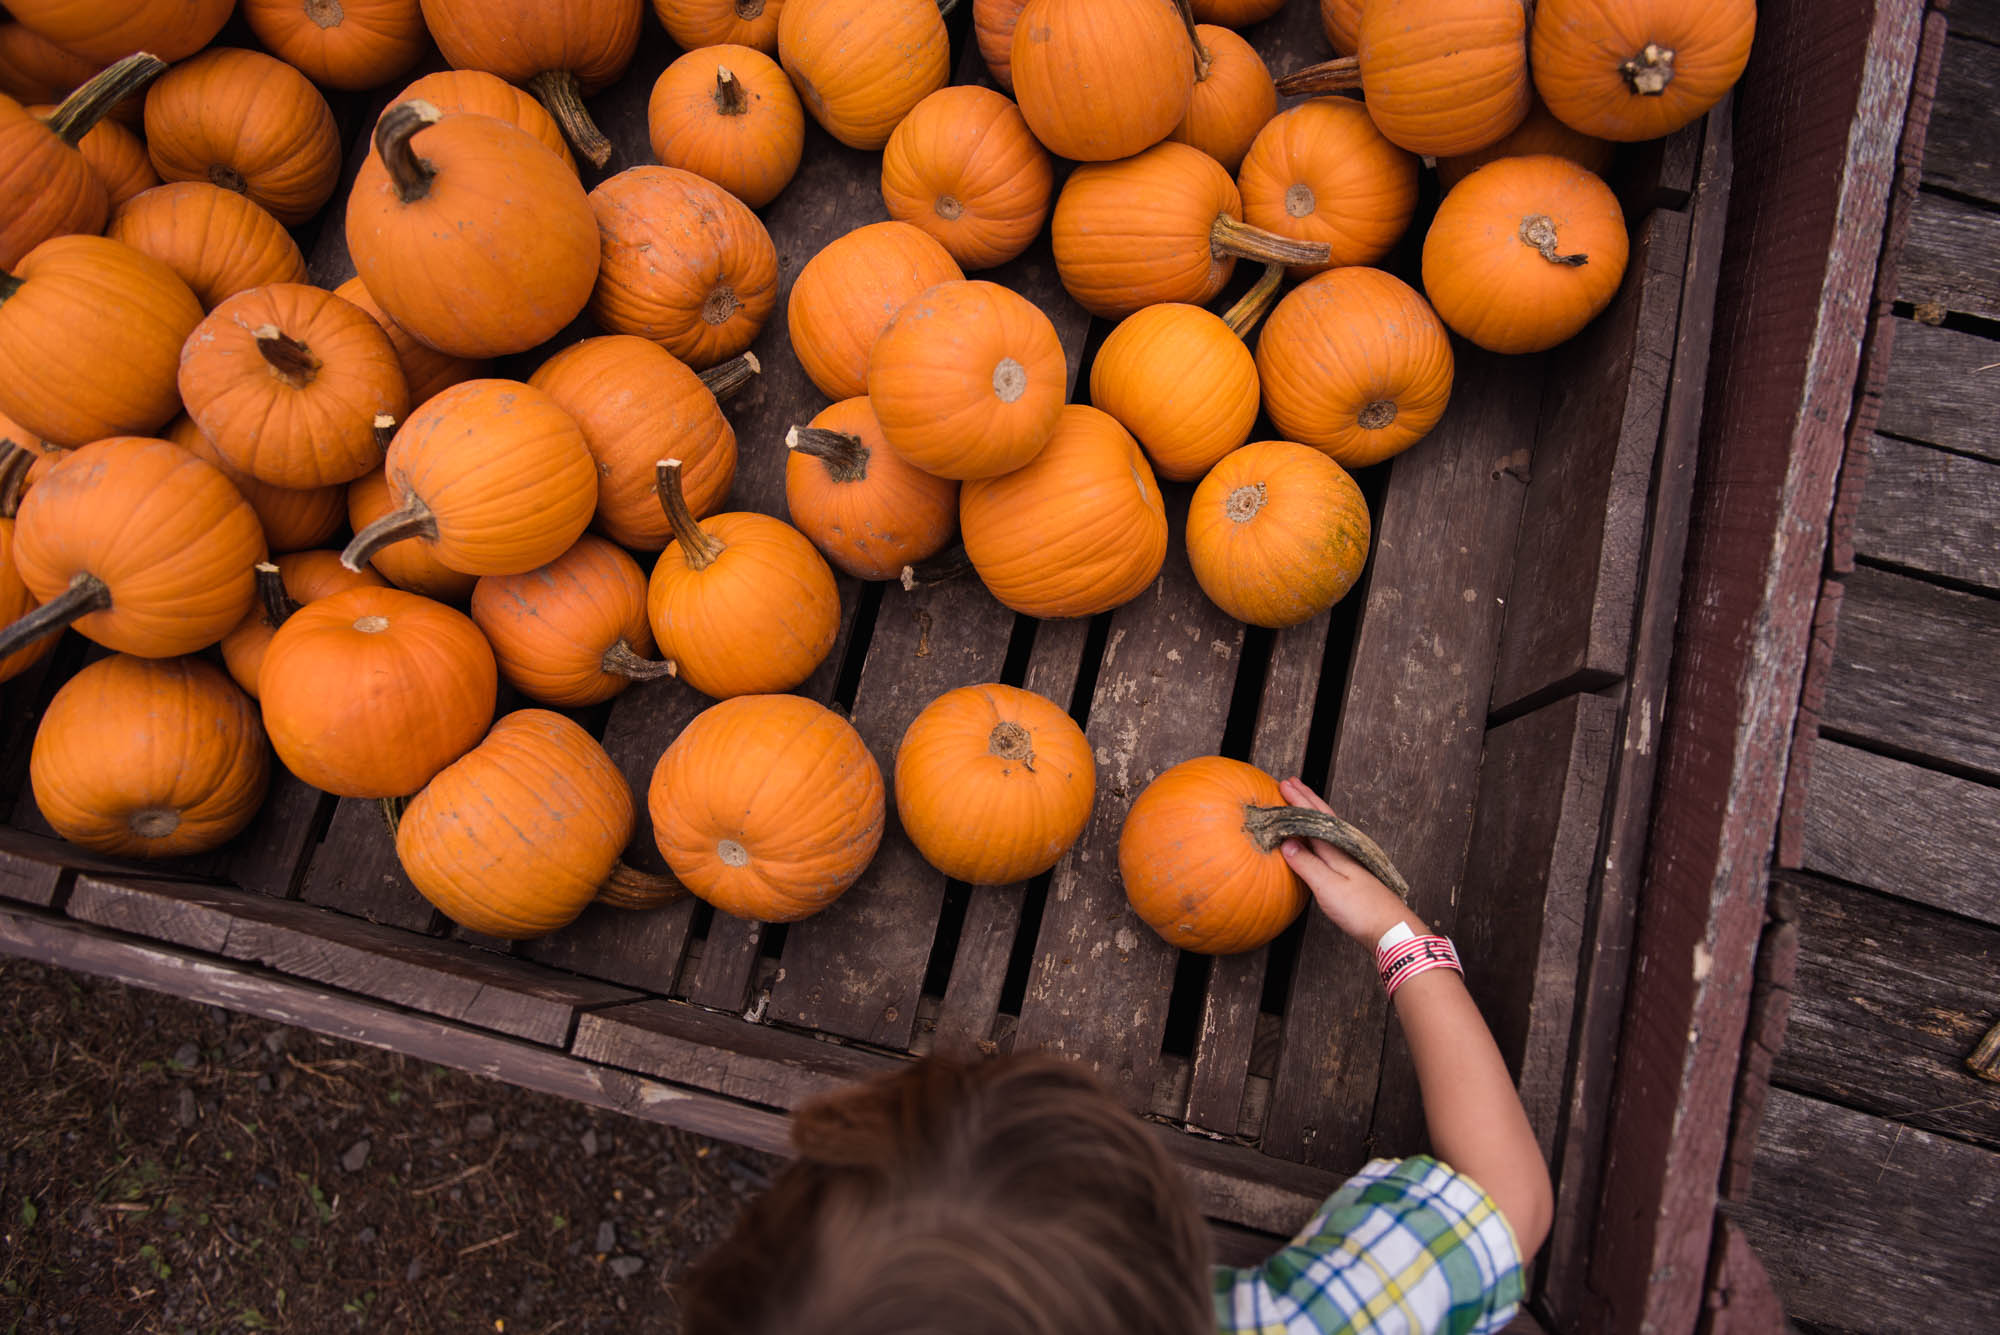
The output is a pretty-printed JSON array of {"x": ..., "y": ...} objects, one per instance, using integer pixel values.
[{"x": 1346, "y": 892}]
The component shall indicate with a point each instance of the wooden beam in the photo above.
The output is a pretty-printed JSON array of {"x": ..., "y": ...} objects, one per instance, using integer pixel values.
[
  {"x": 1931, "y": 511},
  {"x": 1963, "y": 155},
  {"x": 1946, "y": 260},
  {"x": 1943, "y": 389}
]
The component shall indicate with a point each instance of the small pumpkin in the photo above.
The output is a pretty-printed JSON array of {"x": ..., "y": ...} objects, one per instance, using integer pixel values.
[
  {"x": 346, "y": 44},
  {"x": 572, "y": 632},
  {"x": 1541, "y": 132},
  {"x": 47, "y": 187},
  {"x": 292, "y": 520},
  {"x": 411, "y": 563},
  {"x": 249, "y": 123},
  {"x": 965, "y": 168},
  {"x": 744, "y": 603},
  {"x": 1638, "y": 69},
  {"x": 861, "y": 503},
  {"x": 993, "y": 24},
  {"x": 283, "y": 586},
  {"x": 993, "y": 783},
  {"x": 117, "y": 156},
  {"x": 860, "y": 65},
  {"x": 685, "y": 263},
  {"x": 562, "y": 50},
  {"x": 1524, "y": 253},
  {"x": 425, "y": 369},
  {"x": 847, "y": 294},
  {"x": 1321, "y": 171},
  {"x": 150, "y": 758},
  {"x": 1099, "y": 80},
  {"x": 469, "y": 234},
  {"x": 728, "y": 113},
  {"x": 170, "y": 29},
  {"x": 492, "y": 473},
  {"x": 768, "y": 806},
  {"x": 1277, "y": 533},
  {"x": 1233, "y": 97},
  {"x": 16, "y": 600},
  {"x": 1078, "y": 530},
  {"x": 1355, "y": 363},
  {"x": 968, "y": 380},
  {"x": 477, "y": 93},
  {"x": 34, "y": 70},
  {"x": 370, "y": 692},
  {"x": 291, "y": 383},
  {"x": 219, "y": 242},
  {"x": 1340, "y": 20},
  {"x": 698, "y": 23}
]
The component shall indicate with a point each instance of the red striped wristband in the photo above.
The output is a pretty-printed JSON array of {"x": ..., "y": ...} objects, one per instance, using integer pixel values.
[{"x": 1404, "y": 960}]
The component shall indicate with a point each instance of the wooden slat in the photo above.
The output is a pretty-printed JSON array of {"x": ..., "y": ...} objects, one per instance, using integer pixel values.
[
  {"x": 721, "y": 1054},
  {"x": 1406, "y": 762},
  {"x": 1904, "y": 829},
  {"x": 270, "y": 855},
  {"x": 1740, "y": 1298},
  {"x": 356, "y": 871},
  {"x": 1913, "y": 670},
  {"x": 1805, "y": 728},
  {"x": 1888, "y": 999},
  {"x": 1974, "y": 18},
  {"x": 1866, "y": 1224},
  {"x": 1763, "y": 1037},
  {"x": 1963, "y": 154},
  {"x": 35, "y": 869},
  {"x": 1943, "y": 389},
  {"x": 1583, "y": 523},
  {"x": 1932, "y": 511},
  {"x": 1947, "y": 260}
]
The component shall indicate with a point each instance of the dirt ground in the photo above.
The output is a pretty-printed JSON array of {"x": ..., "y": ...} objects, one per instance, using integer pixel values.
[{"x": 167, "y": 1166}]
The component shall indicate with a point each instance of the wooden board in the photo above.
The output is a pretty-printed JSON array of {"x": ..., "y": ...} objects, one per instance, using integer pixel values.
[
  {"x": 1963, "y": 153},
  {"x": 355, "y": 870},
  {"x": 1740, "y": 1298},
  {"x": 1943, "y": 389},
  {"x": 756, "y": 1063},
  {"x": 1947, "y": 260},
  {"x": 38, "y": 870},
  {"x": 1974, "y": 18},
  {"x": 1932, "y": 511},
  {"x": 270, "y": 856}
]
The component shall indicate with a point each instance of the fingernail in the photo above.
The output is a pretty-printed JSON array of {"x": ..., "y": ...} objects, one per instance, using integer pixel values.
[{"x": 1290, "y": 848}]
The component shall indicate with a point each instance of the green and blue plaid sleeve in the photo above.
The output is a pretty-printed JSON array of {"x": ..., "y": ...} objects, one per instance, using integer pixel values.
[{"x": 1404, "y": 1246}]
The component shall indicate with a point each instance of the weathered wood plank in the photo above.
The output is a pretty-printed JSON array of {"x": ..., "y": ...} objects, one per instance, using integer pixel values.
[
  {"x": 1406, "y": 761},
  {"x": 1943, "y": 389},
  {"x": 1932, "y": 511},
  {"x": 35, "y": 869},
  {"x": 1763, "y": 1036},
  {"x": 1805, "y": 728},
  {"x": 270, "y": 855},
  {"x": 1963, "y": 152},
  {"x": 355, "y": 870},
  {"x": 721, "y": 1054},
  {"x": 1973, "y": 18},
  {"x": 1913, "y": 670},
  {"x": 1947, "y": 259},
  {"x": 1844, "y": 1201},
  {"x": 1740, "y": 1298}
]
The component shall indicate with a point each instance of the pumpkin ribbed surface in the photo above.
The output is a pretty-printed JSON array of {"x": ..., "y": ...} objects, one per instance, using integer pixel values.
[
  {"x": 1277, "y": 533},
  {"x": 1232, "y": 100},
  {"x": 170, "y": 29},
  {"x": 847, "y": 294},
  {"x": 697, "y": 23},
  {"x": 46, "y": 187},
  {"x": 477, "y": 93},
  {"x": 552, "y": 627},
  {"x": 245, "y": 121},
  {"x": 292, "y": 520},
  {"x": 1321, "y": 171},
  {"x": 1236, "y": 13},
  {"x": 964, "y": 167},
  {"x": 861, "y": 503},
  {"x": 306, "y": 577},
  {"x": 768, "y": 806},
  {"x": 562, "y": 50},
  {"x": 425, "y": 369},
  {"x": 219, "y": 242},
  {"x": 1443, "y": 77},
  {"x": 993, "y": 23},
  {"x": 1102, "y": 79},
  {"x": 1180, "y": 380},
  {"x": 1638, "y": 69},
  {"x": 348, "y": 44},
  {"x": 1128, "y": 234},
  {"x": 860, "y": 65},
  {"x": 728, "y": 114},
  {"x": 118, "y": 157},
  {"x": 1340, "y": 20},
  {"x": 34, "y": 69}
]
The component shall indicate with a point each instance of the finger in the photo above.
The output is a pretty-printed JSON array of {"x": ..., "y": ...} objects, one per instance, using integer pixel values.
[{"x": 1299, "y": 795}]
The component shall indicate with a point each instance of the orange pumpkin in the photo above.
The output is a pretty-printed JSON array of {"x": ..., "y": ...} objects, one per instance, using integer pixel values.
[
  {"x": 425, "y": 369},
  {"x": 768, "y": 806},
  {"x": 1277, "y": 533},
  {"x": 744, "y": 603},
  {"x": 349, "y": 44},
  {"x": 292, "y": 520},
  {"x": 1162, "y": 226},
  {"x": 34, "y": 70},
  {"x": 698, "y": 23},
  {"x": 993, "y": 783},
  {"x": 1079, "y": 530},
  {"x": 562, "y": 50},
  {"x": 513, "y": 838},
  {"x": 1321, "y": 171},
  {"x": 728, "y": 113},
  {"x": 1236, "y": 13},
  {"x": 964, "y": 167},
  {"x": 291, "y": 384},
  {"x": 867, "y": 509},
  {"x": 1539, "y": 133},
  {"x": 15, "y": 599},
  {"x": 477, "y": 93},
  {"x": 993, "y": 24},
  {"x": 847, "y": 294},
  {"x": 170, "y": 29},
  {"x": 1355, "y": 363},
  {"x": 635, "y": 401},
  {"x": 493, "y": 474},
  {"x": 572, "y": 632},
  {"x": 1194, "y": 871},
  {"x": 247, "y": 122},
  {"x": 1340, "y": 20},
  {"x": 685, "y": 263},
  {"x": 1443, "y": 77},
  {"x": 1099, "y": 80},
  {"x": 284, "y": 586},
  {"x": 47, "y": 187},
  {"x": 219, "y": 242},
  {"x": 860, "y": 65},
  {"x": 1233, "y": 97},
  {"x": 469, "y": 234},
  {"x": 411, "y": 563},
  {"x": 117, "y": 157},
  {"x": 146, "y": 549},
  {"x": 1524, "y": 253},
  {"x": 1638, "y": 69},
  {"x": 968, "y": 380},
  {"x": 370, "y": 692},
  {"x": 149, "y": 758}
]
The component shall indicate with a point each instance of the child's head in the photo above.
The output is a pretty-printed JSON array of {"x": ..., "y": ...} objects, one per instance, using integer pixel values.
[{"x": 1014, "y": 1197}]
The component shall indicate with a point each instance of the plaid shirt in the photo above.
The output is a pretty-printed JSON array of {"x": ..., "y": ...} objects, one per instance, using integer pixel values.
[{"x": 1404, "y": 1246}]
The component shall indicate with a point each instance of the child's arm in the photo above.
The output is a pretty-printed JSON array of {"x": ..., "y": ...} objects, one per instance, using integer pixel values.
[{"x": 1476, "y": 1121}]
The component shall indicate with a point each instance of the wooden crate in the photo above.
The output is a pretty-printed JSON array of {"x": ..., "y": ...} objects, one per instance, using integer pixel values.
[{"x": 1486, "y": 704}]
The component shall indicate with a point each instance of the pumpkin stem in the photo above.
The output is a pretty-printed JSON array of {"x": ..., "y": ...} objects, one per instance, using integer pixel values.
[
  {"x": 413, "y": 520},
  {"x": 385, "y": 430},
  {"x": 290, "y": 360},
  {"x": 629, "y": 888},
  {"x": 1649, "y": 72},
  {"x": 1329, "y": 76},
  {"x": 1244, "y": 503},
  {"x": 86, "y": 594},
  {"x": 726, "y": 378},
  {"x": 391, "y": 811},
  {"x": 86, "y": 106},
  {"x": 1203, "y": 62},
  {"x": 729, "y": 99},
  {"x": 324, "y": 13},
  {"x": 1271, "y": 826},
  {"x": 1538, "y": 233},
  {"x": 1010, "y": 741},
  {"x": 947, "y": 565},
  {"x": 228, "y": 178},
  {"x": 1252, "y": 305},
  {"x": 410, "y": 174},
  {"x": 749, "y": 9},
  {"x": 9, "y": 285},
  {"x": 621, "y": 660},
  {"x": 1231, "y": 236},
  {"x": 559, "y": 91},
  {"x": 15, "y": 461},
  {"x": 698, "y": 548},
  {"x": 278, "y": 604},
  {"x": 845, "y": 457},
  {"x": 1376, "y": 415}
]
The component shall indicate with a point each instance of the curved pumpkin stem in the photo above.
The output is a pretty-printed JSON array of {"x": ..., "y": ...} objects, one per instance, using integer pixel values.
[
  {"x": 413, "y": 520},
  {"x": 729, "y": 99},
  {"x": 15, "y": 461},
  {"x": 1230, "y": 236},
  {"x": 725, "y": 378},
  {"x": 1271, "y": 826},
  {"x": 629, "y": 888},
  {"x": 1252, "y": 305},
  {"x": 1203, "y": 62},
  {"x": 1649, "y": 72},
  {"x": 947, "y": 565},
  {"x": 698, "y": 548},
  {"x": 1329, "y": 76},
  {"x": 86, "y": 594},
  {"x": 277, "y": 603},
  {"x": 845, "y": 457},
  {"x": 1538, "y": 233},
  {"x": 410, "y": 174},
  {"x": 390, "y": 809},
  {"x": 621, "y": 660},
  {"x": 292, "y": 361},
  {"x": 559, "y": 91},
  {"x": 86, "y": 106}
]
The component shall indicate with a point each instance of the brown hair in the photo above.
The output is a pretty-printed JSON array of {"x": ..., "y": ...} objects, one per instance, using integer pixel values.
[{"x": 1011, "y": 1197}]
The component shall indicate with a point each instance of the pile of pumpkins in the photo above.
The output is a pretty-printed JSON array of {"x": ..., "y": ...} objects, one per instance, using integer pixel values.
[{"x": 181, "y": 404}]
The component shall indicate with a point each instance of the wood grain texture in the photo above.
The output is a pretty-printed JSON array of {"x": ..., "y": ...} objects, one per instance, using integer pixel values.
[
  {"x": 721, "y": 1054},
  {"x": 1844, "y": 1201},
  {"x": 270, "y": 855},
  {"x": 1932, "y": 511},
  {"x": 1910, "y": 831},
  {"x": 1963, "y": 152},
  {"x": 1740, "y": 1298},
  {"x": 355, "y": 870},
  {"x": 1947, "y": 258},
  {"x": 35, "y": 869},
  {"x": 1805, "y": 728},
  {"x": 1974, "y": 18},
  {"x": 1763, "y": 1037},
  {"x": 1943, "y": 389}
]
